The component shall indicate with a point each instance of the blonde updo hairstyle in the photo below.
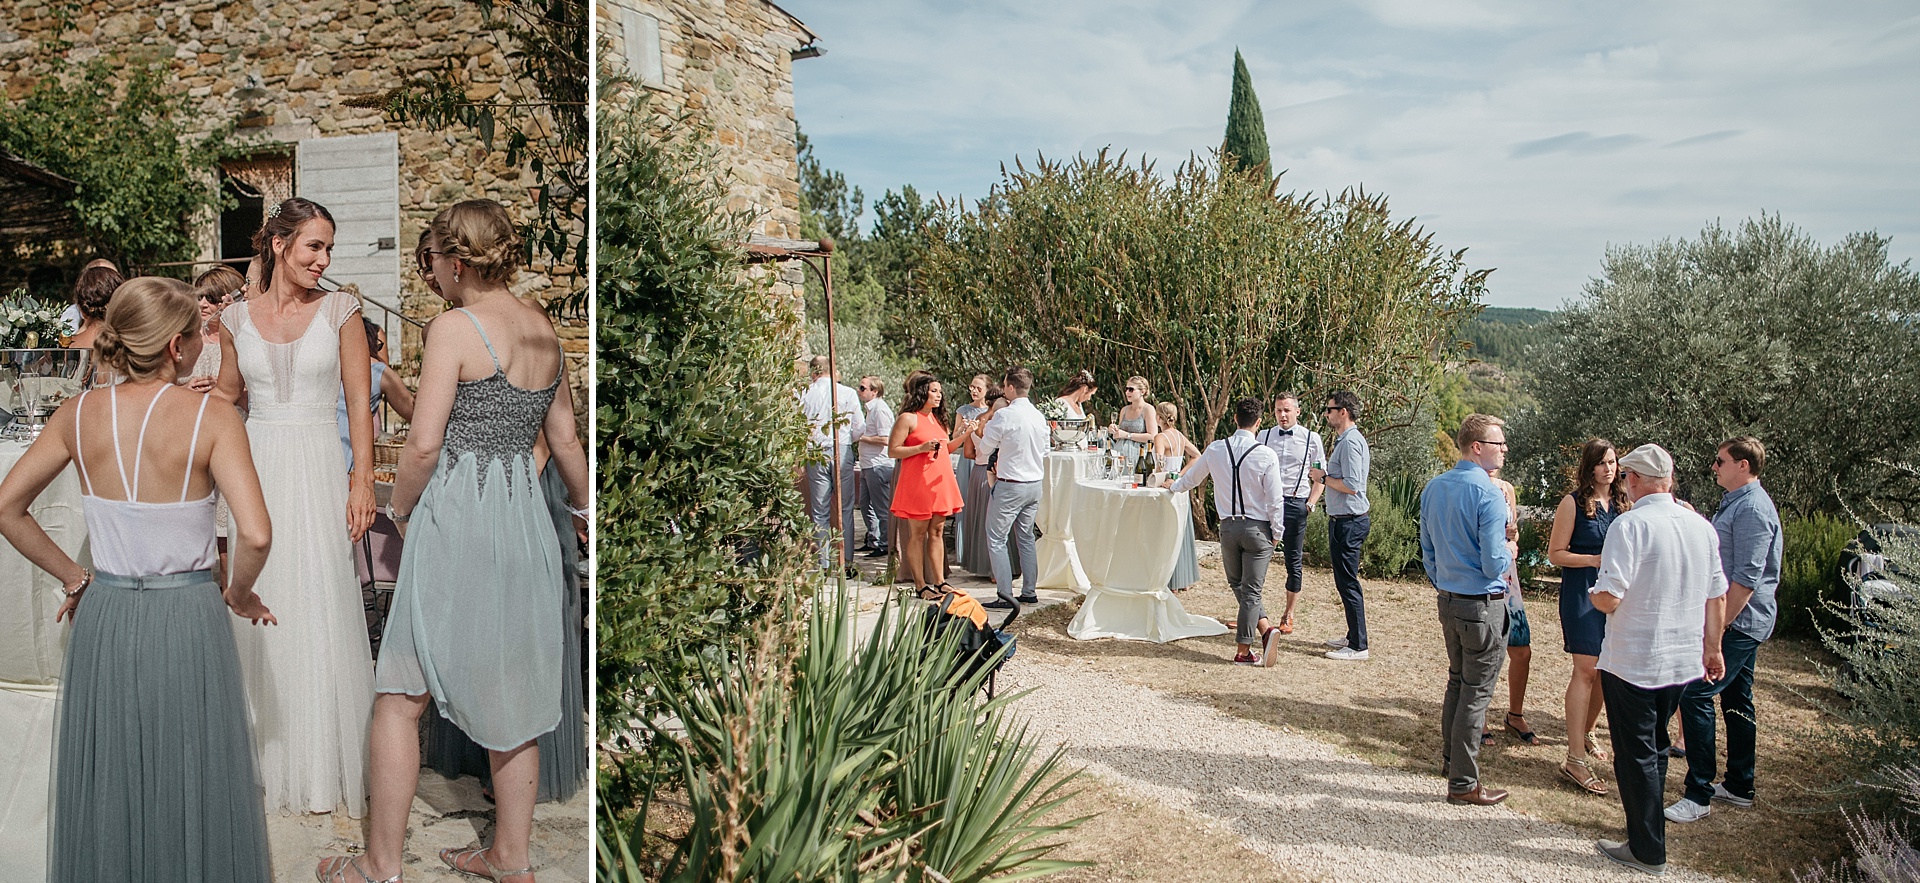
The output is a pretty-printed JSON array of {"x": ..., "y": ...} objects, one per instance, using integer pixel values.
[
  {"x": 480, "y": 233},
  {"x": 146, "y": 314},
  {"x": 1169, "y": 415}
]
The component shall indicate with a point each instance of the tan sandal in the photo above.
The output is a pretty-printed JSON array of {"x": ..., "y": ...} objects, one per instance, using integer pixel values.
[
  {"x": 1587, "y": 781},
  {"x": 1594, "y": 750},
  {"x": 456, "y": 857}
]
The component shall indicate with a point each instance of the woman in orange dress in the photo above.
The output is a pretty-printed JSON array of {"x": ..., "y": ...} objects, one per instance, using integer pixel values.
[{"x": 925, "y": 492}]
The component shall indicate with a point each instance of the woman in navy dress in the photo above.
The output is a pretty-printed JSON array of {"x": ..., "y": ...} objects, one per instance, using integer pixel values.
[{"x": 1579, "y": 530}]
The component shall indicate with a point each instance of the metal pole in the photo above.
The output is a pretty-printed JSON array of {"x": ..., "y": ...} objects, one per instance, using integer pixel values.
[{"x": 833, "y": 372}]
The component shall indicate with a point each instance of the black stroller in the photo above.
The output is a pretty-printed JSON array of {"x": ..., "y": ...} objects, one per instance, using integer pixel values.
[{"x": 980, "y": 648}]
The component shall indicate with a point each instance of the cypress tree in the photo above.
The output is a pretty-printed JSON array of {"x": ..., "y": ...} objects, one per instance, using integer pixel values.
[{"x": 1246, "y": 141}]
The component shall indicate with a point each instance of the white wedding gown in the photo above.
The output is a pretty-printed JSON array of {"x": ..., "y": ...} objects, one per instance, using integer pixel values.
[{"x": 310, "y": 679}]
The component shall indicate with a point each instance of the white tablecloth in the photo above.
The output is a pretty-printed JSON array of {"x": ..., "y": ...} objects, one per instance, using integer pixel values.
[
  {"x": 1118, "y": 546},
  {"x": 32, "y": 648}
]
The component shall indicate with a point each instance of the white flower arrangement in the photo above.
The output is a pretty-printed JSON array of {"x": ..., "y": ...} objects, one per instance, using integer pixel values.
[
  {"x": 29, "y": 323},
  {"x": 1052, "y": 409}
]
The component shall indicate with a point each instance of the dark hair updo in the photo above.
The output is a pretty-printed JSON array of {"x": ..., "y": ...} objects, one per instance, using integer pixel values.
[
  {"x": 94, "y": 289},
  {"x": 283, "y": 218}
]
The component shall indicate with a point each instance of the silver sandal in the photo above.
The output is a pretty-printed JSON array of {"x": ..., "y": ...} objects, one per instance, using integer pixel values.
[
  {"x": 334, "y": 870},
  {"x": 493, "y": 873}
]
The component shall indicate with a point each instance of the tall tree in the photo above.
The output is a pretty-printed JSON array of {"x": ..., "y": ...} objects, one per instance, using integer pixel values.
[{"x": 1246, "y": 141}]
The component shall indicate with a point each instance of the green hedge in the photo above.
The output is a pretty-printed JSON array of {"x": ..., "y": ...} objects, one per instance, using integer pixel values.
[
  {"x": 1810, "y": 572},
  {"x": 702, "y": 529}
]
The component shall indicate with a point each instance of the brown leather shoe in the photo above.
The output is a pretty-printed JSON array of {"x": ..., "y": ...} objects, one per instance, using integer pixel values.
[{"x": 1481, "y": 795}]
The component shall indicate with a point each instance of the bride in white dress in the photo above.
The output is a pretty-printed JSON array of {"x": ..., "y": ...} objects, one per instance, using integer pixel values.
[{"x": 286, "y": 354}]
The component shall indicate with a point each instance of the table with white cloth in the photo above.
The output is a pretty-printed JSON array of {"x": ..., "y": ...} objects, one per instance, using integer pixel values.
[
  {"x": 1118, "y": 545},
  {"x": 32, "y": 650}
]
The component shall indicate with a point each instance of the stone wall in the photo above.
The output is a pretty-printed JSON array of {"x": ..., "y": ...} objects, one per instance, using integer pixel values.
[
  {"x": 728, "y": 65},
  {"x": 309, "y": 58}
]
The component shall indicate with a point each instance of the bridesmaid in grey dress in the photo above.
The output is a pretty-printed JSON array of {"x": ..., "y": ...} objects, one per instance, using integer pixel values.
[
  {"x": 1138, "y": 423},
  {"x": 154, "y": 775},
  {"x": 476, "y": 620},
  {"x": 978, "y": 489},
  {"x": 966, "y": 422},
  {"x": 1176, "y": 452}
]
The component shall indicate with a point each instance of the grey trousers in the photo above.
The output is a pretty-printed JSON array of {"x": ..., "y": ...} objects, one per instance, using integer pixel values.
[
  {"x": 820, "y": 509},
  {"x": 1476, "y": 635},
  {"x": 879, "y": 503},
  {"x": 1246, "y": 547},
  {"x": 1010, "y": 514}
]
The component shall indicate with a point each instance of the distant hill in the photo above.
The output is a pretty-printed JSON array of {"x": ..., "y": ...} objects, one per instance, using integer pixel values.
[{"x": 1502, "y": 335}]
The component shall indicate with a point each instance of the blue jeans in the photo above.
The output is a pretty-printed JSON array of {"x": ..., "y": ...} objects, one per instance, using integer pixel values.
[{"x": 1736, "y": 702}]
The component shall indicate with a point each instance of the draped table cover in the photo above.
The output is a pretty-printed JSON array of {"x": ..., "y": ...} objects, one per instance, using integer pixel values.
[
  {"x": 1118, "y": 546},
  {"x": 32, "y": 650}
]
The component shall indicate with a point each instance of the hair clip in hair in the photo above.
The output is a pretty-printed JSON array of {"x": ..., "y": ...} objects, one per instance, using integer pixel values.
[{"x": 273, "y": 211}]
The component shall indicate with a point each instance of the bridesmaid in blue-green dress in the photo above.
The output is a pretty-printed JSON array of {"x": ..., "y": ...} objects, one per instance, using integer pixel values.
[{"x": 476, "y": 619}]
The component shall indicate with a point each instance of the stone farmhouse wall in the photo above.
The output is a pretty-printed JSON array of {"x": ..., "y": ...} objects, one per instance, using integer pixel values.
[{"x": 284, "y": 70}]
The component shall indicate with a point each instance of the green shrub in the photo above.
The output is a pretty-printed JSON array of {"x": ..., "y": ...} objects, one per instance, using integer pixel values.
[
  {"x": 1810, "y": 581},
  {"x": 1534, "y": 539},
  {"x": 702, "y": 530},
  {"x": 848, "y": 760},
  {"x": 1393, "y": 540}
]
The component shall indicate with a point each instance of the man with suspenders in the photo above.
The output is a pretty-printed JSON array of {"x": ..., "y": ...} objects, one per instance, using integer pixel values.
[
  {"x": 1298, "y": 448},
  {"x": 1247, "y": 493}
]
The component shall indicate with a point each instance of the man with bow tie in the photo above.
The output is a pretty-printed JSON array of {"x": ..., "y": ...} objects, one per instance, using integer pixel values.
[{"x": 1298, "y": 448}]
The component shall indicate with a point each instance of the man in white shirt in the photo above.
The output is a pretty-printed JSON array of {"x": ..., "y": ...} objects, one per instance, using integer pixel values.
[
  {"x": 1298, "y": 448},
  {"x": 832, "y": 411},
  {"x": 1019, "y": 434},
  {"x": 874, "y": 466},
  {"x": 1247, "y": 492},
  {"x": 1664, "y": 594}
]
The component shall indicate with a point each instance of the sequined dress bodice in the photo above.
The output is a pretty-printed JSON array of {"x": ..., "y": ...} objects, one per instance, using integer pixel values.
[{"x": 491, "y": 418}]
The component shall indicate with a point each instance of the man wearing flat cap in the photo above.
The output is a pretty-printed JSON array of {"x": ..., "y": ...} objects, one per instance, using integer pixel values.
[{"x": 1664, "y": 593}]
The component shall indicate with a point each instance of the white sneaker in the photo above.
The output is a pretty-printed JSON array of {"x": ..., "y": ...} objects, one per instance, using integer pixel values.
[
  {"x": 1721, "y": 794},
  {"x": 1347, "y": 655},
  {"x": 1337, "y": 643},
  {"x": 1684, "y": 810}
]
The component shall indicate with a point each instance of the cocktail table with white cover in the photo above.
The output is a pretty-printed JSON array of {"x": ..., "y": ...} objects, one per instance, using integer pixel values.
[
  {"x": 1117, "y": 545},
  {"x": 32, "y": 651}
]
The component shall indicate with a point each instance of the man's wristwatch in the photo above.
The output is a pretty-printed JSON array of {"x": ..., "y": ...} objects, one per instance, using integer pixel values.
[{"x": 396, "y": 517}]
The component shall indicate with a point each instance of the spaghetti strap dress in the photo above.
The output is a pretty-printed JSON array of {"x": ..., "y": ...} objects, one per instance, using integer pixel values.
[
  {"x": 923, "y": 484},
  {"x": 153, "y": 771},
  {"x": 477, "y": 602},
  {"x": 1583, "y": 625}
]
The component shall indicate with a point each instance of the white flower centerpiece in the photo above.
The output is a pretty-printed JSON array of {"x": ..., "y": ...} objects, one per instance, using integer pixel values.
[{"x": 35, "y": 372}]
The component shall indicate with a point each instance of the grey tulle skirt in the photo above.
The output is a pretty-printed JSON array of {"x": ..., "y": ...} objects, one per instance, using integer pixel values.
[
  {"x": 563, "y": 750},
  {"x": 153, "y": 772},
  {"x": 1186, "y": 571}
]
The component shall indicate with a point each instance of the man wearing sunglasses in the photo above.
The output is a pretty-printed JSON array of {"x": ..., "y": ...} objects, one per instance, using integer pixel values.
[
  {"x": 1750, "y": 545},
  {"x": 1345, "y": 477}
]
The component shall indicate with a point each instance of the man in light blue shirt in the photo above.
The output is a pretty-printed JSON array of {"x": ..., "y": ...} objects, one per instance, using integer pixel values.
[
  {"x": 1463, "y": 544},
  {"x": 1750, "y": 547},
  {"x": 1348, "y": 521}
]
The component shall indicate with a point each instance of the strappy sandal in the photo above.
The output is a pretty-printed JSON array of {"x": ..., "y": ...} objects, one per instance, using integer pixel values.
[
  {"x": 1525, "y": 736},
  {"x": 453, "y": 858},
  {"x": 334, "y": 870},
  {"x": 1587, "y": 781},
  {"x": 1593, "y": 747}
]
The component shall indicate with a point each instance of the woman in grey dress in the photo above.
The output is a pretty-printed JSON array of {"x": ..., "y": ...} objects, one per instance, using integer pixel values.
[
  {"x": 154, "y": 775},
  {"x": 966, "y": 421},
  {"x": 1138, "y": 423},
  {"x": 1175, "y": 452},
  {"x": 476, "y": 619}
]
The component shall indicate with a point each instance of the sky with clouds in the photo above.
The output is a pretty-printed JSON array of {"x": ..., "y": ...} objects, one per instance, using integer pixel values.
[{"x": 1532, "y": 134}]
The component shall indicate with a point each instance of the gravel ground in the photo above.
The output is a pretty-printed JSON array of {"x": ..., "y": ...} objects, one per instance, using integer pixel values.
[
  {"x": 1294, "y": 799},
  {"x": 446, "y": 813}
]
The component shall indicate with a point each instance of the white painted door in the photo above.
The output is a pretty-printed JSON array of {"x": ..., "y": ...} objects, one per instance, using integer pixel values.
[{"x": 357, "y": 178}]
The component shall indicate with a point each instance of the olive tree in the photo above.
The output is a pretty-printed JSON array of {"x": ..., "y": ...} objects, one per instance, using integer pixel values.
[
  {"x": 1211, "y": 285},
  {"x": 1754, "y": 330}
]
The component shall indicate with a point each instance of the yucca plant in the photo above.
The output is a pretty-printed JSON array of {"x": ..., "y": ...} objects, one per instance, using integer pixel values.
[{"x": 819, "y": 757}]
